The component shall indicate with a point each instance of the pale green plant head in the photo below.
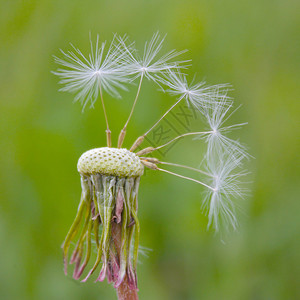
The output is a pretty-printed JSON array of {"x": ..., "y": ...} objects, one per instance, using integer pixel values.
[{"x": 110, "y": 176}]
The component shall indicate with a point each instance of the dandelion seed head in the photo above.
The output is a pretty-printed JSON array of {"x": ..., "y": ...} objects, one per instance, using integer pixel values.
[{"x": 110, "y": 176}]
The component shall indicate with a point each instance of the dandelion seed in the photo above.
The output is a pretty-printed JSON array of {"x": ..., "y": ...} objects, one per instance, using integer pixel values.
[
  {"x": 149, "y": 64},
  {"x": 227, "y": 186},
  {"x": 217, "y": 141},
  {"x": 89, "y": 76},
  {"x": 84, "y": 75},
  {"x": 198, "y": 95}
]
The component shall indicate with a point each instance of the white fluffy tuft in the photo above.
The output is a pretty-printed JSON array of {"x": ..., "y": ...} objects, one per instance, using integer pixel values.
[
  {"x": 217, "y": 141},
  {"x": 85, "y": 75},
  {"x": 199, "y": 95},
  {"x": 149, "y": 64},
  {"x": 227, "y": 187}
]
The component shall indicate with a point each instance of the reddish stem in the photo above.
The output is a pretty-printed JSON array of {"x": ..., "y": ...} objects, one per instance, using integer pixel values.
[{"x": 123, "y": 291}]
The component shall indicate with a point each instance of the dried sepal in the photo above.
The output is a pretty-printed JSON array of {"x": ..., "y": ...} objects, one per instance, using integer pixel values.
[{"x": 107, "y": 202}]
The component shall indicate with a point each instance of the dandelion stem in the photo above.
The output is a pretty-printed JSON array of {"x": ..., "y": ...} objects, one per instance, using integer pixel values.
[
  {"x": 163, "y": 115},
  {"x": 123, "y": 131},
  {"x": 123, "y": 291},
  {"x": 188, "y": 178},
  {"x": 185, "y": 167},
  {"x": 142, "y": 137},
  {"x": 151, "y": 149},
  {"x": 181, "y": 136},
  {"x": 108, "y": 132},
  {"x": 135, "y": 100}
]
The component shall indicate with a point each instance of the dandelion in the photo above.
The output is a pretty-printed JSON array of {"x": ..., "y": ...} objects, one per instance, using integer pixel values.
[
  {"x": 89, "y": 76},
  {"x": 227, "y": 185},
  {"x": 110, "y": 177},
  {"x": 218, "y": 143},
  {"x": 149, "y": 66},
  {"x": 198, "y": 94}
]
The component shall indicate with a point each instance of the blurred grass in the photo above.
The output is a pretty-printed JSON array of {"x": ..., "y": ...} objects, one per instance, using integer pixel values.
[{"x": 251, "y": 44}]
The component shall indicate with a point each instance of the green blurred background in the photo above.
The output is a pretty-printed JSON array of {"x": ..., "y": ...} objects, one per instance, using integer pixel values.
[{"x": 250, "y": 44}]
